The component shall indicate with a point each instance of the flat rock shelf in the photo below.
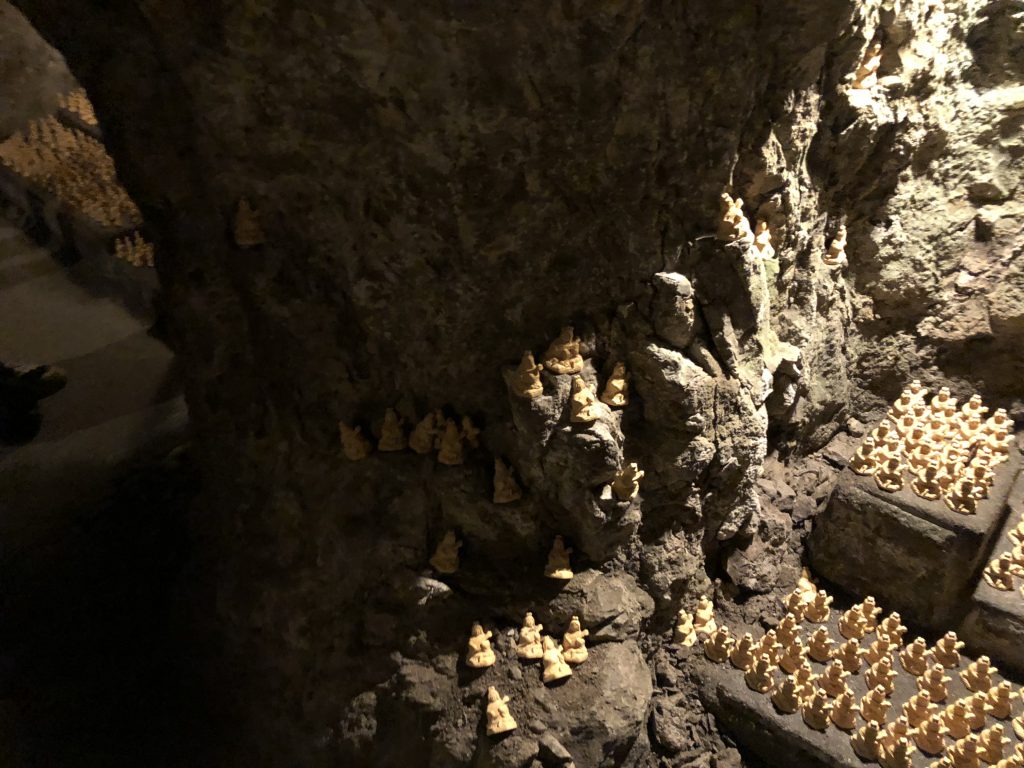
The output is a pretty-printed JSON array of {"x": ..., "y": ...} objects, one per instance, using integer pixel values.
[{"x": 916, "y": 556}]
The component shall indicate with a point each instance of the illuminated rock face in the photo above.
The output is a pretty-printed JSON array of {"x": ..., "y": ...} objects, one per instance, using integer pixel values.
[{"x": 440, "y": 191}]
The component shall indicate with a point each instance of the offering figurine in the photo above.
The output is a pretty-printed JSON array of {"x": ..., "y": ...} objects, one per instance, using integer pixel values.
[
  {"x": 574, "y": 645},
  {"x": 563, "y": 355},
  {"x": 816, "y": 710},
  {"x": 626, "y": 485},
  {"x": 616, "y": 389},
  {"x": 392, "y": 438},
  {"x": 422, "y": 438},
  {"x": 759, "y": 677},
  {"x": 684, "y": 633},
  {"x": 530, "y": 646},
  {"x": 844, "y": 712},
  {"x": 582, "y": 405},
  {"x": 719, "y": 645},
  {"x": 865, "y": 741},
  {"x": 505, "y": 488},
  {"x": 499, "y": 719},
  {"x": 786, "y": 696},
  {"x": 446, "y": 556},
  {"x": 479, "y": 653},
  {"x": 450, "y": 452},
  {"x": 525, "y": 382},
  {"x": 704, "y": 616},
  {"x": 353, "y": 444},
  {"x": 558, "y": 566},
  {"x": 555, "y": 667}
]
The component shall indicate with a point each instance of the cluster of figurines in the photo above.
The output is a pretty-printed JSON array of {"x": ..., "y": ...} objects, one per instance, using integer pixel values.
[
  {"x": 434, "y": 432},
  {"x": 73, "y": 167},
  {"x": 135, "y": 250},
  {"x": 557, "y": 661},
  {"x": 733, "y": 225},
  {"x": 77, "y": 102},
  {"x": 445, "y": 559},
  {"x": 961, "y": 733},
  {"x": 949, "y": 453},
  {"x": 1004, "y": 572}
]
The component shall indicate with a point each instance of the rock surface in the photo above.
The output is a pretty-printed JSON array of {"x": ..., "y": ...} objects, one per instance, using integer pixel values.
[{"x": 444, "y": 187}]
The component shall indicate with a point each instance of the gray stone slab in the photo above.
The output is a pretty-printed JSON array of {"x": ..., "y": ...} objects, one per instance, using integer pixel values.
[
  {"x": 995, "y": 621},
  {"x": 915, "y": 555},
  {"x": 782, "y": 739}
]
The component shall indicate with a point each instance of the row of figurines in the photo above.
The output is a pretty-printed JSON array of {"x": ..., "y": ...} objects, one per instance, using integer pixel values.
[
  {"x": 445, "y": 559},
  {"x": 826, "y": 699},
  {"x": 533, "y": 646},
  {"x": 733, "y": 225},
  {"x": 563, "y": 358},
  {"x": 436, "y": 432},
  {"x": 135, "y": 250},
  {"x": 1001, "y": 573}
]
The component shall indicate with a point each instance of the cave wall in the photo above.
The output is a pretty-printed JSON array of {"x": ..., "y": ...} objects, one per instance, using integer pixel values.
[{"x": 444, "y": 185}]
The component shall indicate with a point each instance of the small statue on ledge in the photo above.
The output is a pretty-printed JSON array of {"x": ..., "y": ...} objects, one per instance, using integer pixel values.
[
  {"x": 558, "y": 566},
  {"x": 733, "y": 225},
  {"x": 353, "y": 444},
  {"x": 836, "y": 255},
  {"x": 616, "y": 389},
  {"x": 555, "y": 667},
  {"x": 530, "y": 646},
  {"x": 525, "y": 381},
  {"x": 627, "y": 482},
  {"x": 563, "y": 355},
  {"x": 506, "y": 490},
  {"x": 763, "y": 240},
  {"x": 392, "y": 438},
  {"x": 446, "y": 556},
  {"x": 866, "y": 76},
  {"x": 499, "y": 719},
  {"x": 574, "y": 645},
  {"x": 450, "y": 452},
  {"x": 479, "y": 653},
  {"x": 583, "y": 406}
]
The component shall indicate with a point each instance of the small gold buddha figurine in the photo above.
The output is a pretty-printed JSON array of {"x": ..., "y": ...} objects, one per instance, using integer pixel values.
[
  {"x": 626, "y": 484},
  {"x": 865, "y": 460},
  {"x": 833, "y": 681},
  {"x": 891, "y": 627},
  {"x": 559, "y": 566},
  {"x": 704, "y": 616},
  {"x": 943, "y": 403},
  {"x": 886, "y": 428},
  {"x": 927, "y": 482},
  {"x": 530, "y": 646},
  {"x": 850, "y": 654},
  {"x": 969, "y": 427},
  {"x": 786, "y": 696},
  {"x": 978, "y": 675},
  {"x": 955, "y": 719},
  {"x": 992, "y": 743},
  {"x": 888, "y": 475},
  {"x": 930, "y": 735},
  {"x": 897, "y": 729},
  {"x": 684, "y": 633},
  {"x": 874, "y": 705},
  {"x": 733, "y": 225},
  {"x": 450, "y": 452},
  {"x": 392, "y": 437},
  {"x": 980, "y": 475},
  {"x": 818, "y": 610},
  {"x": 881, "y": 675},
  {"x": 793, "y": 656},
  {"x": 563, "y": 355},
  {"x": 796, "y": 603},
  {"x": 499, "y": 719},
  {"x": 718, "y": 647},
  {"x": 506, "y": 490},
  {"x": 470, "y": 432},
  {"x": 583, "y": 407},
  {"x": 422, "y": 438},
  {"x": 574, "y": 643},
  {"x": 742, "y": 656},
  {"x": 353, "y": 444},
  {"x": 525, "y": 382},
  {"x": 806, "y": 680},
  {"x": 479, "y": 653},
  {"x": 915, "y": 439},
  {"x": 998, "y": 421},
  {"x": 248, "y": 232},
  {"x": 897, "y": 754},
  {"x": 1000, "y": 699},
  {"x": 555, "y": 667},
  {"x": 446, "y": 556},
  {"x": 947, "y": 650},
  {"x": 835, "y": 257},
  {"x": 977, "y": 710},
  {"x": 919, "y": 708},
  {"x": 763, "y": 241},
  {"x": 869, "y": 609},
  {"x": 616, "y": 389},
  {"x": 815, "y": 711},
  {"x": 906, "y": 423},
  {"x": 865, "y": 741},
  {"x": 960, "y": 497},
  {"x": 844, "y": 711},
  {"x": 879, "y": 648},
  {"x": 787, "y": 630},
  {"x": 934, "y": 680},
  {"x": 820, "y": 646},
  {"x": 759, "y": 677},
  {"x": 769, "y": 644},
  {"x": 916, "y": 658},
  {"x": 974, "y": 408},
  {"x": 852, "y": 624},
  {"x": 999, "y": 573},
  {"x": 964, "y": 753}
]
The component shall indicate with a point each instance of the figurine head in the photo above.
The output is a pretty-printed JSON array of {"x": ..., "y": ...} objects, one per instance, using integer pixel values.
[
  {"x": 549, "y": 643},
  {"x": 529, "y": 621},
  {"x": 574, "y": 624},
  {"x": 477, "y": 630},
  {"x": 493, "y": 695}
]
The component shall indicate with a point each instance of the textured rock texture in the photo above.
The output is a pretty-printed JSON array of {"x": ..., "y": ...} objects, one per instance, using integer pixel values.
[{"x": 443, "y": 186}]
